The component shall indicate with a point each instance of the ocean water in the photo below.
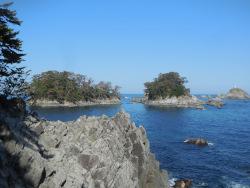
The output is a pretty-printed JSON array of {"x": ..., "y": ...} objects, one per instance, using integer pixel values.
[{"x": 225, "y": 163}]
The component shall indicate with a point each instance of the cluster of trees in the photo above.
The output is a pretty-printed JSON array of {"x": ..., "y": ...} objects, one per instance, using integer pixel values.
[
  {"x": 67, "y": 86},
  {"x": 166, "y": 85},
  {"x": 12, "y": 74}
]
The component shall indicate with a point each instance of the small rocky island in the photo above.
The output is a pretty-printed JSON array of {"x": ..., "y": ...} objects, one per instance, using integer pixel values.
[
  {"x": 89, "y": 152},
  {"x": 54, "y": 89},
  {"x": 169, "y": 90},
  {"x": 236, "y": 93}
]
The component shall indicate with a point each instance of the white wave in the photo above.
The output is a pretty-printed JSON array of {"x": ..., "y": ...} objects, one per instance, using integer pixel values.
[
  {"x": 171, "y": 182},
  {"x": 210, "y": 143}
]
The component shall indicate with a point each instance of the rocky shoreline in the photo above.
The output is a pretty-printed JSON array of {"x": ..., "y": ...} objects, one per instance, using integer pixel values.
[
  {"x": 178, "y": 102},
  {"x": 89, "y": 152},
  {"x": 49, "y": 103}
]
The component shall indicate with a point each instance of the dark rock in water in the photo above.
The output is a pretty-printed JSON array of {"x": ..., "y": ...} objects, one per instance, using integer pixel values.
[
  {"x": 197, "y": 141},
  {"x": 183, "y": 183},
  {"x": 217, "y": 102}
]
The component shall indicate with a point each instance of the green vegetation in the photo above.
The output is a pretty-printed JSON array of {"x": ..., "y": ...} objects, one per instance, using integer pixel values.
[
  {"x": 166, "y": 85},
  {"x": 70, "y": 87},
  {"x": 12, "y": 76}
]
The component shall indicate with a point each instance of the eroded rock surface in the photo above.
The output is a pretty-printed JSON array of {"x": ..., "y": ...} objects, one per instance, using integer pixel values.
[{"x": 90, "y": 152}]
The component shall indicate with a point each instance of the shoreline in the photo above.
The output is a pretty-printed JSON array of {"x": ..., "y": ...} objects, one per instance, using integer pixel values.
[
  {"x": 48, "y": 103},
  {"x": 174, "y": 102}
]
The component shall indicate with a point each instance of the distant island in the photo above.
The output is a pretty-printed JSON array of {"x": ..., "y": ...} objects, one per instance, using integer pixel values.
[
  {"x": 236, "y": 93},
  {"x": 168, "y": 89},
  {"x": 53, "y": 88}
]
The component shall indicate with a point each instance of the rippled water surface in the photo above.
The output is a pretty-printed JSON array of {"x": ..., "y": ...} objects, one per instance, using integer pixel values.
[{"x": 225, "y": 163}]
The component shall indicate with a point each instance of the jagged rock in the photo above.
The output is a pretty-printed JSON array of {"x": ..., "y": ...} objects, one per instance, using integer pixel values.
[
  {"x": 197, "y": 141},
  {"x": 89, "y": 152}
]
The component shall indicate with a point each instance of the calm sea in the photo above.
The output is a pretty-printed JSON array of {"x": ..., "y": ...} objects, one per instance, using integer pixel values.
[{"x": 225, "y": 163}]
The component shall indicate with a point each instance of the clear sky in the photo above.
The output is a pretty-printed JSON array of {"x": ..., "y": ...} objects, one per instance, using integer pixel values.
[{"x": 130, "y": 42}]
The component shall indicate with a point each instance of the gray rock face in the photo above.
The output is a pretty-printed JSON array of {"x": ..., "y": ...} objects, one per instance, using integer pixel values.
[
  {"x": 91, "y": 152},
  {"x": 237, "y": 93}
]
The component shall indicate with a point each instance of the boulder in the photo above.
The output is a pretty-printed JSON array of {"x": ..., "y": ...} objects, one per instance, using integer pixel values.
[
  {"x": 197, "y": 141},
  {"x": 185, "y": 183}
]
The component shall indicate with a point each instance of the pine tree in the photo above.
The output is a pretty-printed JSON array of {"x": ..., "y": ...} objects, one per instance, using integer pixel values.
[{"x": 12, "y": 75}]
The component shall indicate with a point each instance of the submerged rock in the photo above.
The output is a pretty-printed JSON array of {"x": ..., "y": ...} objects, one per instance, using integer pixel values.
[
  {"x": 237, "y": 93},
  {"x": 197, "y": 141},
  {"x": 89, "y": 152}
]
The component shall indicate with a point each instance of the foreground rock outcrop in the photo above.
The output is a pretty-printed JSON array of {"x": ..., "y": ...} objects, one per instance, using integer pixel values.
[
  {"x": 90, "y": 152},
  {"x": 236, "y": 93},
  {"x": 49, "y": 103}
]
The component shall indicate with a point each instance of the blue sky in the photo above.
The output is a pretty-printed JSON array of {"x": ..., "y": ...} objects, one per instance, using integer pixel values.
[{"x": 130, "y": 42}]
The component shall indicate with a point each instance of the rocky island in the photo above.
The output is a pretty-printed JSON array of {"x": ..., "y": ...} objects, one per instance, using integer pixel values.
[
  {"x": 236, "y": 93},
  {"x": 89, "y": 152},
  {"x": 54, "y": 89},
  {"x": 169, "y": 90}
]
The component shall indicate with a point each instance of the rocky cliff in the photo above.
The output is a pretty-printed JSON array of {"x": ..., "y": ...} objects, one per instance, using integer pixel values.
[{"x": 90, "y": 152}]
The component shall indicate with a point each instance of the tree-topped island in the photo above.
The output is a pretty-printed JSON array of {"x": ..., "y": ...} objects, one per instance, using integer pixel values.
[
  {"x": 166, "y": 85},
  {"x": 53, "y": 88},
  {"x": 169, "y": 89}
]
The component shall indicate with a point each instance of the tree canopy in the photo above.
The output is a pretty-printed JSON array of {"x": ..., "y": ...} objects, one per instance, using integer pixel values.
[
  {"x": 12, "y": 75},
  {"x": 166, "y": 85},
  {"x": 70, "y": 87}
]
